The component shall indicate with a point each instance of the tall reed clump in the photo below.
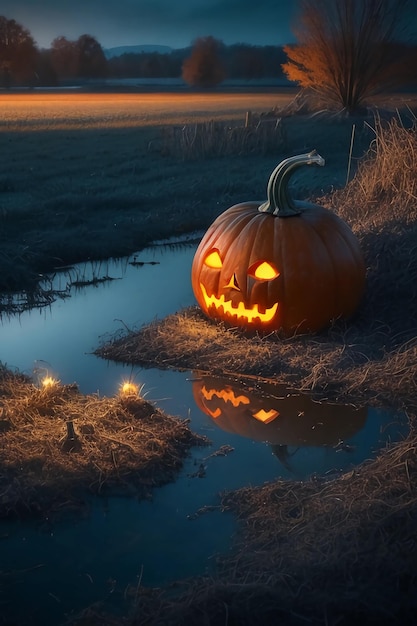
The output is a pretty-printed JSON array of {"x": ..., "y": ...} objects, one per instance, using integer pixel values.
[{"x": 217, "y": 139}]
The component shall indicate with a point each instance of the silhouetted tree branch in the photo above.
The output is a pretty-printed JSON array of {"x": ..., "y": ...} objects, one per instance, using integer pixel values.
[{"x": 349, "y": 50}]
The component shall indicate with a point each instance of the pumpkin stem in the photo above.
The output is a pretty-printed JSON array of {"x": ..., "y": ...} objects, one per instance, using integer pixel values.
[{"x": 279, "y": 201}]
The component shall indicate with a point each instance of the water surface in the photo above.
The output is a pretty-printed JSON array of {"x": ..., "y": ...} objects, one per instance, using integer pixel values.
[{"x": 60, "y": 568}]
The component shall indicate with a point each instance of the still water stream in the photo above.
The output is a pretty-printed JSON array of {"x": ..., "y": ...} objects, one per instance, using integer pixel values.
[{"x": 56, "y": 569}]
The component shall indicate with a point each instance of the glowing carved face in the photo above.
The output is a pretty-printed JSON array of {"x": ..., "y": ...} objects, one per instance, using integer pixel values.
[
  {"x": 211, "y": 397},
  {"x": 267, "y": 273},
  {"x": 262, "y": 270},
  {"x": 270, "y": 412},
  {"x": 237, "y": 290}
]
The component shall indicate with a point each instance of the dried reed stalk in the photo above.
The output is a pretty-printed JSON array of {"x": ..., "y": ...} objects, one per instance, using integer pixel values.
[{"x": 217, "y": 139}]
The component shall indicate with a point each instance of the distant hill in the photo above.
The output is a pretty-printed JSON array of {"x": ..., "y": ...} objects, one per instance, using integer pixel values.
[{"x": 119, "y": 50}]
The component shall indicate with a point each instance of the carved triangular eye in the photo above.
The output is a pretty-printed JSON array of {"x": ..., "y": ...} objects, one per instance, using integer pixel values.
[
  {"x": 262, "y": 270},
  {"x": 213, "y": 259}
]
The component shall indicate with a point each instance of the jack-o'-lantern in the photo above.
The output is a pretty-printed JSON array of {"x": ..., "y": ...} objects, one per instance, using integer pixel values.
[
  {"x": 280, "y": 265},
  {"x": 274, "y": 414}
]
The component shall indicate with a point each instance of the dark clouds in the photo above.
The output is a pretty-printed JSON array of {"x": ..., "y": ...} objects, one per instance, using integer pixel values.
[{"x": 166, "y": 22}]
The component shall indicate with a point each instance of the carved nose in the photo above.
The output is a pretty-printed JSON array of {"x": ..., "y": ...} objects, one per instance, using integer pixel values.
[{"x": 233, "y": 284}]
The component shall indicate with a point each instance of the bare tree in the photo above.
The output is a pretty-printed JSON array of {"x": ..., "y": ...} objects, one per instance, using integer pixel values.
[
  {"x": 349, "y": 50},
  {"x": 204, "y": 68},
  {"x": 18, "y": 53}
]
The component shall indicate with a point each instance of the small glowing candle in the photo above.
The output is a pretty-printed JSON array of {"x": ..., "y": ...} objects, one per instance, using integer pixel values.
[
  {"x": 48, "y": 382},
  {"x": 129, "y": 389}
]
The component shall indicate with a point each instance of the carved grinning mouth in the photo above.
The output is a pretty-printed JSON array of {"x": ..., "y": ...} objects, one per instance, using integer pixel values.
[
  {"x": 240, "y": 310},
  {"x": 228, "y": 395}
]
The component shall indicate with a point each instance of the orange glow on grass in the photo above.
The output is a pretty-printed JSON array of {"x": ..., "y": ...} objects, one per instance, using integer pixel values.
[{"x": 72, "y": 110}]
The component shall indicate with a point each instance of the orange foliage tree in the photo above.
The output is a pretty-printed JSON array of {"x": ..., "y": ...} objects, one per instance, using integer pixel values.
[
  {"x": 204, "y": 68},
  {"x": 348, "y": 50}
]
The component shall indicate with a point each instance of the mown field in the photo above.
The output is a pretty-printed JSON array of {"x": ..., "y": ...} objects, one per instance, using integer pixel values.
[{"x": 72, "y": 109}]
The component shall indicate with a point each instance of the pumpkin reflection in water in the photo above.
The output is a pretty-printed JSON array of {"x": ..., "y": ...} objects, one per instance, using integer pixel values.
[
  {"x": 273, "y": 414},
  {"x": 281, "y": 265}
]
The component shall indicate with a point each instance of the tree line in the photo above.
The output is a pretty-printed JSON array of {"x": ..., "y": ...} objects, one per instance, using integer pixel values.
[
  {"x": 346, "y": 51},
  {"x": 240, "y": 60},
  {"x": 23, "y": 63}
]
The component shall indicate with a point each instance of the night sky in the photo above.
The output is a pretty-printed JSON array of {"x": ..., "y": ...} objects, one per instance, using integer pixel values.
[{"x": 162, "y": 22}]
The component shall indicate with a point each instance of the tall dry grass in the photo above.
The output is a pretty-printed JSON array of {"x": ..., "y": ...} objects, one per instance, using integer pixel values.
[
  {"x": 384, "y": 189},
  {"x": 221, "y": 139}
]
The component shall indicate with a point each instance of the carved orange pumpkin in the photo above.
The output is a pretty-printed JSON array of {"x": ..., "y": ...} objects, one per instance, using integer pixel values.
[
  {"x": 279, "y": 265},
  {"x": 274, "y": 414}
]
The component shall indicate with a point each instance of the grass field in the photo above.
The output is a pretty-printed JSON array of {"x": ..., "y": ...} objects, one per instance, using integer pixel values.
[
  {"x": 41, "y": 111},
  {"x": 88, "y": 176},
  {"x": 82, "y": 175}
]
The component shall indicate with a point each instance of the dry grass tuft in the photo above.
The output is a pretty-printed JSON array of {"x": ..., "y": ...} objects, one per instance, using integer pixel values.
[
  {"x": 57, "y": 446},
  {"x": 197, "y": 339},
  {"x": 218, "y": 139},
  {"x": 341, "y": 365},
  {"x": 384, "y": 189}
]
